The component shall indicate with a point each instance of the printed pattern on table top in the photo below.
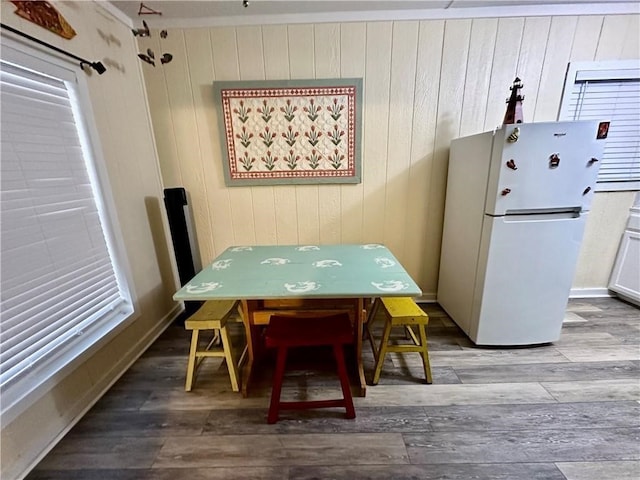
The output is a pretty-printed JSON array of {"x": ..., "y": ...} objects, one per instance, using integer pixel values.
[{"x": 329, "y": 271}]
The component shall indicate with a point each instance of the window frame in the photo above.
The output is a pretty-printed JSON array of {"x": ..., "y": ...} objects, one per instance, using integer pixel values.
[
  {"x": 30, "y": 387},
  {"x": 606, "y": 70}
]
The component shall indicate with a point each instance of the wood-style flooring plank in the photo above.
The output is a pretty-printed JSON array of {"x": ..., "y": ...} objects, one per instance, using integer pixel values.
[
  {"x": 594, "y": 390},
  {"x": 548, "y": 445},
  {"x": 600, "y": 470},
  {"x": 292, "y": 449},
  {"x": 575, "y": 338},
  {"x": 140, "y": 423},
  {"x": 118, "y": 398},
  {"x": 549, "y": 372},
  {"x": 78, "y": 452},
  {"x": 200, "y": 399},
  {"x": 495, "y": 471},
  {"x": 465, "y": 394},
  {"x": 235, "y": 473},
  {"x": 600, "y": 353},
  {"x": 487, "y": 356},
  {"x": 583, "y": 306},
  {"x": 535, "y": 416},
  {"x": 572, "y": 317},
  {"x": 401, "y": 372},
  {"x": 89, "y": 474},
  {"x": 368, "y": 420},
  {"x": 222, "y": 473},
  {"x": 626, "y": 332}
]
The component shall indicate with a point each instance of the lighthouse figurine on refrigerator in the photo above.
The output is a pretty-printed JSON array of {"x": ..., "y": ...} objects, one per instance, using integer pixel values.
[{"x": 514, "y": 104}]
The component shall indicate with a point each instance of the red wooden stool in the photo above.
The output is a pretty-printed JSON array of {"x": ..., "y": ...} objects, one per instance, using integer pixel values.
[{"x": 285, "y": 332}]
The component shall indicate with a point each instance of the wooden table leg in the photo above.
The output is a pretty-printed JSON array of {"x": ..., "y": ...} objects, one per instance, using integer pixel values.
[
  {"x": 359, "y": 332},
  {"x": 253, "y": 337}
]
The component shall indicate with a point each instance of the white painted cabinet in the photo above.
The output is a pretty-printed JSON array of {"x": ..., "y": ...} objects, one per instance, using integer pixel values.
[{"x": 625, "y": 277}]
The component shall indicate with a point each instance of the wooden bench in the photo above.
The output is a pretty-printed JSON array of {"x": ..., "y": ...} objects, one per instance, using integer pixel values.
[
  {"x": 213, "y": 315},
  {"x": 399, "y": 312}
]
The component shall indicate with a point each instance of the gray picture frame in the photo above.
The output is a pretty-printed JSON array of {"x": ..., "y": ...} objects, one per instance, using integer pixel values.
[{"x": 261, "y": 146}]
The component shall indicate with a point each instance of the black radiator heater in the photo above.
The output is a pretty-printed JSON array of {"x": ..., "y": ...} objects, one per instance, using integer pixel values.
[{"x": 184, "y": 240}]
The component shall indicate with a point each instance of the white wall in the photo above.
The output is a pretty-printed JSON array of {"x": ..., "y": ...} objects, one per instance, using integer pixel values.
[
  {"x": 425, "y": 82},
  {"x": 119, "y": 103}
]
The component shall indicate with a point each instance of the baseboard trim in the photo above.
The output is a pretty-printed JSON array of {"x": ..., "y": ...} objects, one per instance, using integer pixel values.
[
  {"x": 107, "y": 381},
  {"x": 427, "y": 298},
  {"x": 590, "y": 293}
]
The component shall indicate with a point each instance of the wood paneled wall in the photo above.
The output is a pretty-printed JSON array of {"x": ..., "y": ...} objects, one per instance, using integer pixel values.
[{"x": 425, "y": 82}]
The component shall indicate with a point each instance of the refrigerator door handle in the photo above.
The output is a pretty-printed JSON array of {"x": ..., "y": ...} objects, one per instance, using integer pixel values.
[
  {"x": 537, "y": 217},
  {"x": 536, "y": 211}
]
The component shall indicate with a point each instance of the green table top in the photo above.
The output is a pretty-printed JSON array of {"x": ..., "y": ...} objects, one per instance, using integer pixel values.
[{"x": 301, "y": 271}]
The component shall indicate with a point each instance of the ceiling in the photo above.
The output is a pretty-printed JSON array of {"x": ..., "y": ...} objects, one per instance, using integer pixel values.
[{"x": 232, "y": 12}]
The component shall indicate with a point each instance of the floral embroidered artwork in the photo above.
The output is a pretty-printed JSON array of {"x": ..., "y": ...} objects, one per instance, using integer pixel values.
[{"x": 291, "y": 131}]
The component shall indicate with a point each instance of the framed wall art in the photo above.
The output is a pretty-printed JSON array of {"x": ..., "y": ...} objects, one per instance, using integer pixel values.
[
  {"x": 290, "y": 131},
  {"x": 45, "y": 15}
]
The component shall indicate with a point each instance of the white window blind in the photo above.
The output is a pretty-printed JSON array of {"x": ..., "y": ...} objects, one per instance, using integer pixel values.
[
  {"x": 609, "y": 91},
  {"x": 59, "y": 277}
]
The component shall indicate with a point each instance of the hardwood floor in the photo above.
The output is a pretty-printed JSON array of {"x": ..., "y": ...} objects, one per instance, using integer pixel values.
[{"x": 570, "y": 410}]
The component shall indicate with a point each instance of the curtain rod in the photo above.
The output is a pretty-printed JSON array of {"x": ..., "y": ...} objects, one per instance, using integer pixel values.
[{"x": 97, "y": 66}]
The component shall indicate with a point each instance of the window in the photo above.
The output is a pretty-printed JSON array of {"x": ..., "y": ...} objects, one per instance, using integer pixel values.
[
  {"x": 63, "y": 283},
  {"x": 609, "y": 91}
]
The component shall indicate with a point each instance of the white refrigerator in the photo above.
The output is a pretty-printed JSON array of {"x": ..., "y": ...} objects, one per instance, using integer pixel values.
[{"x": 516, "y": 206}]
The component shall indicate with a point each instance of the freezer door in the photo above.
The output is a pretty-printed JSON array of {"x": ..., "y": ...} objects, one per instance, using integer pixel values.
[
  {"x": 524, "y": 278},
  {"x": 549, "y": 166}
]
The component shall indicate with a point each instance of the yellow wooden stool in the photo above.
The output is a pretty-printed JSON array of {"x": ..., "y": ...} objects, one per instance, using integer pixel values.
[
  {"x": 213, "y": 315},
  {"x": 404, "y": 312}
]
